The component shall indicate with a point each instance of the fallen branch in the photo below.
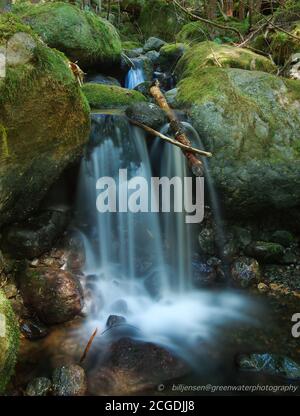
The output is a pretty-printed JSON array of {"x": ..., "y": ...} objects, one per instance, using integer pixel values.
[
  {"x": 195, "y": 164},
  {"x": 88, "y": 346},
  {"x": 169, "y": 140},
  {"x": 207, "y": 21}
]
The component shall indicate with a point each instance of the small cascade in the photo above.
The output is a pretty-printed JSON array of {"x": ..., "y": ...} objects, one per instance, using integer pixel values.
[
  {"x": 138, "y": 265},
  {"x": 135, "y": 75}
]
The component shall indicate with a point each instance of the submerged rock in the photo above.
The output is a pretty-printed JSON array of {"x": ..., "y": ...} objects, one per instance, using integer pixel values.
[
  {"x": 250, "y": 121},
  {"x": 110, "y": 96},
  {"x": 115, "y": 320},
  {"x": 9, "y": 341},
  {"x": 245, "y": 271},
  {"x": 273, "y": 364},
  {"x": 35, "y": 236},
  {"x": 40, "y": 386},
  {"x": 133, "y": 366},
  {"x": 55, "y": 295},
  {"x": 147, "y": 113},
  {"x": 102, "y": 79},
  {"x": 81, "y": 35},
  {"x": 69, "y": 381},
  {"x": 44, "y": 121}
]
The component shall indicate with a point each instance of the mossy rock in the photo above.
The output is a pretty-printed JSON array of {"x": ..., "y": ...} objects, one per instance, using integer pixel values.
[
  {"x": 170, "y": 55},
  {"x": 161, "y": 19},
  {"x": 250, "y": 121},
  {"x": 279, "y": 44},
  {"x": 194, "y": 32},
  {"x": 81, "y": 35},
  {"x": 110, "y": 96},
  {"x": 44, "y": 119},
  {"x": 206, "y": 54},
  {"x": 9, "y": 341}
]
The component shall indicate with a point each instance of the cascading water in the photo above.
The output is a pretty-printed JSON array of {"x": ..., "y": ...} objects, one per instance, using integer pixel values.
[
  {"x": 135, "y": 75},
  {"x": 138, "y": 265}
]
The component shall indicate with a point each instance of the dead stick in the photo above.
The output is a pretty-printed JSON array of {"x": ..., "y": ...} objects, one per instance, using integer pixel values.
[
  {"x": 169, "y": 140},
  {"x": 88, "y": 346},
  {"x": 194, "y": 163}
]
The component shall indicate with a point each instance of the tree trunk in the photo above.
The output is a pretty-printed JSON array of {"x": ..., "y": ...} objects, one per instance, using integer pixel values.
[
  {"x": 228, "y": 7},
  {"x": 242, "y": 9},
  {"x": 211, "y": 7},
  {"x": 195, "y": 164}
]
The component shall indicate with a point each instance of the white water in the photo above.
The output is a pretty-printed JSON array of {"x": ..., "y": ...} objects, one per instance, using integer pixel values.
[
  {"x": 139, "y": 265},
  {"x": 135, "y": 76}
]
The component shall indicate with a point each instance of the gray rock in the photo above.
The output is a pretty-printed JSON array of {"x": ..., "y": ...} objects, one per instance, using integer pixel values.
[
  {"x": 245, "y": 272},
  {"x": 144, "y": 88},
  {"x": 115, "y": 320},
  {"x": 20, "y": 49},
  {"x": 69, "y": 381},
  {"x": 153, "y": 56},
  {"x": 134, "y": 53},
  {"x": 35, "y": 236},
  {"x": 40, "y": 386},
  {"x": 265, "y": 251},
  {"x": 102, "y": 79},
  {"x": 153, "y": 44},
  {"x": 147, "y": 113},
  {"x": 170, "y": 54},
  {"x": 273, "y": 364},
  {"x": 171, "y": 97}
]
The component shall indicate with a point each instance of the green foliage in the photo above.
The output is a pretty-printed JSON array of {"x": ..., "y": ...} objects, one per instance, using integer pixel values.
[
  {"x": 9, "y": 343},
  {"x": 107, "y": 96}
]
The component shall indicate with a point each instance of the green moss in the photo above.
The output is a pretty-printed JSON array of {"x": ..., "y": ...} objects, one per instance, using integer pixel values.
[
  {"x": 9, "y": 25},
  {"x": 199, "y": 31},
  {"x": 162, "y": 19},
  {"x": 170, "y": 55},
  {"x": 107, "y": 96},
  {"x": 81, "y": 35},
  {"x": 129, "y": 45},
  {"x": 206, "y": 54},
  {"x": 9, "y": 341}
]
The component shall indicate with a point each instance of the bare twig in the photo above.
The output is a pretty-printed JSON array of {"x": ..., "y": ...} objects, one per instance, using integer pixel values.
[
  {"x": 169, "y": 140},
  {"x": 88, "y": 346}
]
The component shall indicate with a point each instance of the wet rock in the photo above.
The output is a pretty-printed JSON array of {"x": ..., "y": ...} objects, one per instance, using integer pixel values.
[
  {"x": 205, "y": 272},
  {"x": 40, "y": 386},
  {"x": 69, "y": 381},
  {"x": 33, "y": 329},
  {"x": 115, "y": 320},
  {"x": 153, "y": 44},
  {"x": 134, "y": 53},
  {"x": 170, "y": 54},
  {"x": 102, "y": 79},
  {"x": 35, "y": 236},
  {"x": 144, "y": 88},
  {"x": 55, "y": 295},
  {"x": 153, "y": 56},
  {"x": 272, "y": 364},
  {"x": 265, "y": 251},
  {"x": 293, "y": 67},
  {"x": 166, "y": 80},
  {"x": 245, "y": 271},
  {"x": 206, "y": 241},
  {"x": 147, "y": 113},
  {"x": 133, "y": 366},
  {"x": 171, "y": 97}
]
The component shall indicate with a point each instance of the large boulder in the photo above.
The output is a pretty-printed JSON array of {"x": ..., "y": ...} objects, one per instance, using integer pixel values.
[
  {"x": 206, "y": 54},
  {"x": 55, "y": 295},
  {"x": 102, "y": 96},
  {"x": 170, "y": 54},
  {"x": 147, "y": 113},
  {"x": 9, "y": 341},
  {"x": 250, "y": 121},
  {"x": 81, "y": 35},
  {"x": 44, "y": 119}
]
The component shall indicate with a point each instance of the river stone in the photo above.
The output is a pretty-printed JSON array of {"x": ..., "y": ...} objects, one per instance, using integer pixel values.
[
  {"x": 44, "y": 122},
  {"x": 9, "y": 341},
  {"x": 153, "y": 44},
  {"x": 69, "y": 381},
  {"x": 169, "y": 55},
  {"x": 273, "y": 364},
  {"x": 171, "y": 97},
  {"x": 35, "y": 236},
  {"x": 245, "y": 272},
  {"x": 133, "y": 366},
  {"x": 81, "y": 35},
  {"x": 146, "y": 113},
  {"x": 33, "y": 329},
  {"x": 115, "y": 320},
  {"x": 40, "y": 386},
  {"x": 55, "y": 295},
  {"x": 153, "y": 56},
  {"x": 265, "y": 251},
  {"x": 102, "y": 79},
  {"x": 250, "y": 121}
]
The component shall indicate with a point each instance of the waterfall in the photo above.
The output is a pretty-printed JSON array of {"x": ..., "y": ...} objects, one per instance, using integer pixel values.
[
  {"x": 135, "y": 75},
  {"x": 138, "y": 265}
]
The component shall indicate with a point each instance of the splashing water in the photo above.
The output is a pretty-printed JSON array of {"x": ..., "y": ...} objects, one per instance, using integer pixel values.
[
  {"x": 135, "y": 76},
  {"x": 139, "y": 265}
]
